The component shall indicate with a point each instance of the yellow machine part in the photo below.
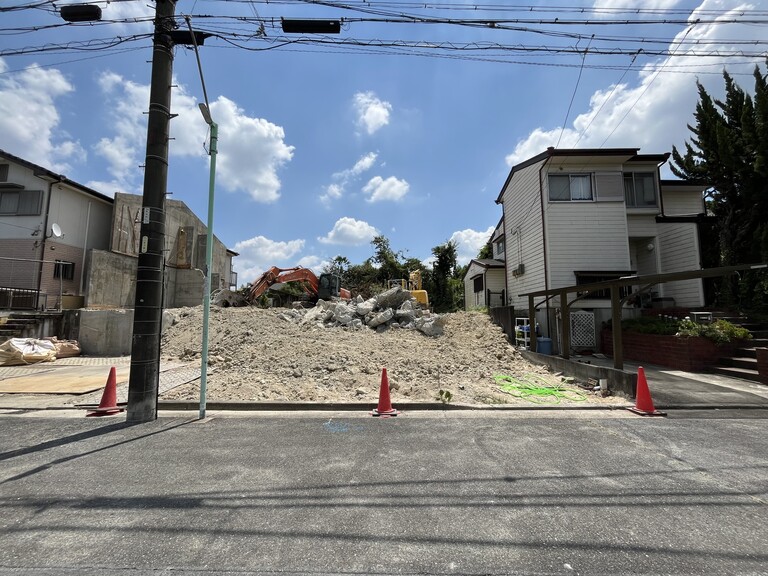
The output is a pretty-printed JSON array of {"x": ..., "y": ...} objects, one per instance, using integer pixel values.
[{"x": 421, "y": 297}]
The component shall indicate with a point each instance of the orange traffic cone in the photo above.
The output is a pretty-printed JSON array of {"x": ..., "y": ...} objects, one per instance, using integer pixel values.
[
  {"x": 643, "y": 402},
  {"x": 385, "y": 406},
  {"x": 108, "y": 404}
]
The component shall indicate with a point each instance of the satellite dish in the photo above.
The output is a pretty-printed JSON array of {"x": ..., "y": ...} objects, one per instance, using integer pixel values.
[{"x": 56, "y": 230}]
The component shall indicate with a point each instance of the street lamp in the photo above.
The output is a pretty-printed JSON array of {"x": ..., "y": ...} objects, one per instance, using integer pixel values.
[{"x": 205, "y": 110}]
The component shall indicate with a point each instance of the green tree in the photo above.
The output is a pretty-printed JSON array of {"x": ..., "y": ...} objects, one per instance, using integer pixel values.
[
  {"x": 444, "y": 298},
  {"x": 340, "y": 267},
  {"x": 486, "y": 252},
  {"x": 729, "y": 152},
  {"x": 390, "y": 265}
]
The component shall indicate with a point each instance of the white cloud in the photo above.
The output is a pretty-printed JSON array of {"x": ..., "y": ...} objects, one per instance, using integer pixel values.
[
  {"x": 469, "y": 242},
  {"x": 363, "y": 164},
  {"x": 647, "y": 4},
  {"x": 258, "y": 254},
  {"x": 372, "y": 113},
  {"x": 251, "y": 150},
  {"x": 650, "y": 110},
  {"x": 29, "y": 119},
  {"x": 349, "y": 232},
  {"x": 379, "y": 189},
  {"x": 342, "y": 179},
  {"x": 314, "y": 263},
  {"x": 249, "y": 154}
]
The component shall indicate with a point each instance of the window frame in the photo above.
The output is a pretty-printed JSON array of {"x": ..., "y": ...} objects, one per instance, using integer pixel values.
[
  {"x": 584, "y": 277},
  {"x": 24, "y": 199},
  {"x": 631, "y": 176},
  {"x": 581, "y": 176},
  {"x": 64, "y": 269}
]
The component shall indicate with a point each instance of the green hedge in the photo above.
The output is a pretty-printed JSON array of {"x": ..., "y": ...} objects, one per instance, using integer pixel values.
[{"x": 719, "y": 331}]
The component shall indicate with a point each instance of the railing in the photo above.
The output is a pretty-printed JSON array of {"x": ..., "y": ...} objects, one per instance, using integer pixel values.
[
  {"x": 494, "y": 299},
  {"x": 233, "y": 279},
  {"x": 19, "y": 298}
]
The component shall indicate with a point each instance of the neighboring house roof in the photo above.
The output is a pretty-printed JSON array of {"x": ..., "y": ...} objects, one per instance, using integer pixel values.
[
  {"x": 498, "y": 232},
  {"x": 488, "y": 262},
  {"x": 232, "y": 252},
  {"x": 40, "y": 171},
  {"x": 689, "y": 184},
  {"x": 630, "y": 154}
]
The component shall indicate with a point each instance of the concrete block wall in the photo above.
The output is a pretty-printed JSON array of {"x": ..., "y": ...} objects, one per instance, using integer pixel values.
[
  {"x": 762, "y": 364},
  {"x": 112, "y": 281},
  {"x": 106, "y": 332}
]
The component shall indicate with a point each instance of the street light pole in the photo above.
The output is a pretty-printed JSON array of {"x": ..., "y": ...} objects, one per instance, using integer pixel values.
[
  {"x": 205, "y": 110},
  {"x": 144, "y": 379},
  {"x": 208, "y": 257}
]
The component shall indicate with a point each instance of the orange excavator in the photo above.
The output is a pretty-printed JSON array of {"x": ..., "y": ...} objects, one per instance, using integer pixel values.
[{"x": 326, "y": 287}]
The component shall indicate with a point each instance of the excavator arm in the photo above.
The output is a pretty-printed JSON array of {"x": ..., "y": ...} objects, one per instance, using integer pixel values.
[{"x": 275, "y": 275}]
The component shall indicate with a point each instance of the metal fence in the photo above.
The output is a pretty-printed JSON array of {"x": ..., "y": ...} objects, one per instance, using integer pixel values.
[
  {"x": 19, "y": 299},
  {"x": 504, "y": 316}
]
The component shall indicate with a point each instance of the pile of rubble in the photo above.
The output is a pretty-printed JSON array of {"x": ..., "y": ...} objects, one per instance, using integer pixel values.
[{"x": 395, "y": 308}]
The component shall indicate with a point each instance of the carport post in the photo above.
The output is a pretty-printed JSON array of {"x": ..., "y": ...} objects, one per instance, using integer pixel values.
[
  {"x": 618, "y": 348},
  {"x": 533, "y": 340},
  {"x": 565, "y": 345}
]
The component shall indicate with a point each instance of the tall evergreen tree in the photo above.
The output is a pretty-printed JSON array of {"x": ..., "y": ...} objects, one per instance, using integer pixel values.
[
  {"x": 729, "y": 152},
  {"x": 444, "y": 298}
]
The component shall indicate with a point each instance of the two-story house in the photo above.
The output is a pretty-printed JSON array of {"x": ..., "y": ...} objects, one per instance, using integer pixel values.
[
  {"x": 48, "y": 226},
  {"x": 64, "y": 245},
  {"x": 484, "y": 281},
  {"x": 574, "y": 217}
]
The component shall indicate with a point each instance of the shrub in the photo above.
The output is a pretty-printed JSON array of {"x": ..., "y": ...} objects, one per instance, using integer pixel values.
[{"x": 719, "y": 331}]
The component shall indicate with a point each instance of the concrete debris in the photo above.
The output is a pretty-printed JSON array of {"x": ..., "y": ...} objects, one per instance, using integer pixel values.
[
  {"x": 395, "y": 308},
  {"x": 226, "y": 298}
]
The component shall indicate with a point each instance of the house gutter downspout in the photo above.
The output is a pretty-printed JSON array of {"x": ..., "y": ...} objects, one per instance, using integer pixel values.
[{"x": 534, "y": 342}]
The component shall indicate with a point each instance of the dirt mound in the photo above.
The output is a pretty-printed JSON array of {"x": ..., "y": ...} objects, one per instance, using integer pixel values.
[{"x": 258, "y": 356}]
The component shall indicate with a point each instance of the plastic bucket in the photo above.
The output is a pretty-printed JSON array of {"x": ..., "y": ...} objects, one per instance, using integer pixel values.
[{"x": 544, "y": 346}]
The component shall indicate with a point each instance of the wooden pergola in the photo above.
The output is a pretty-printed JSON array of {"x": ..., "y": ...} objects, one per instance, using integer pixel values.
[{"x": 616, "y": 301}]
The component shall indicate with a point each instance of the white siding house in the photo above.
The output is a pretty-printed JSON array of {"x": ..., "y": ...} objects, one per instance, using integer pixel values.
[
  {"x": 484, "y": 284},
  {"x": 580, "y": 216}
]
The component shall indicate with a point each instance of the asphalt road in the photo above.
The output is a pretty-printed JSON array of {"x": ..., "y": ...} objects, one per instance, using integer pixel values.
[{"x": 593, "y": 492}]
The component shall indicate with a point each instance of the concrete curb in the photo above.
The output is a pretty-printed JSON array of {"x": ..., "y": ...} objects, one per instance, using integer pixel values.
[{"x": 172, "y": 405}]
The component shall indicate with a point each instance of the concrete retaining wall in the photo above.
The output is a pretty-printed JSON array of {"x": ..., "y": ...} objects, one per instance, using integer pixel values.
[
  {"x": 106, "y": 332},
  {"x": 620, "y": 383}
]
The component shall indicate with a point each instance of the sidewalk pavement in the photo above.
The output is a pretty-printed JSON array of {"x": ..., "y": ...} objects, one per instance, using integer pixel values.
[
  {"x": 670, "y": 389},
  {"x": 675, "y": 389}
]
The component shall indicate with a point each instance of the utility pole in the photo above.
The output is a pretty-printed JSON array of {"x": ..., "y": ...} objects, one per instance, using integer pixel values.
[{"x": 148, "y": 311}]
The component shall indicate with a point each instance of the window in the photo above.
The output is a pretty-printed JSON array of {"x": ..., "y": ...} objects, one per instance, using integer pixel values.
[
  {"x": 20, "y": 202},
  {"x": 500, "y": 248},
  {"x": 590, "y": 277},
  {"x": 569, "y": 187},
  {"x": 477, "y": 284},
  {"x": 64, "y": 270},
  {"x": 640, "y": 190},
  {"x": 3, "y": 172}
]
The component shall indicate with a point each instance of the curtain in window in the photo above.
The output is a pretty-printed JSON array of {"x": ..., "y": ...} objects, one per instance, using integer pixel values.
[
  {"x": 581, "y": 187},
  {"x": 645, "y": 191}
]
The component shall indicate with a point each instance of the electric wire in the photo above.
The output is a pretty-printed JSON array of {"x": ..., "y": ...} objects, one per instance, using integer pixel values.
[{"x": 573, "y": 96}]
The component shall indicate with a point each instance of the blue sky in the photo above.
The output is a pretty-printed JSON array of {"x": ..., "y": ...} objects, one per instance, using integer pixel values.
[{"x": 321, "y": 147}]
